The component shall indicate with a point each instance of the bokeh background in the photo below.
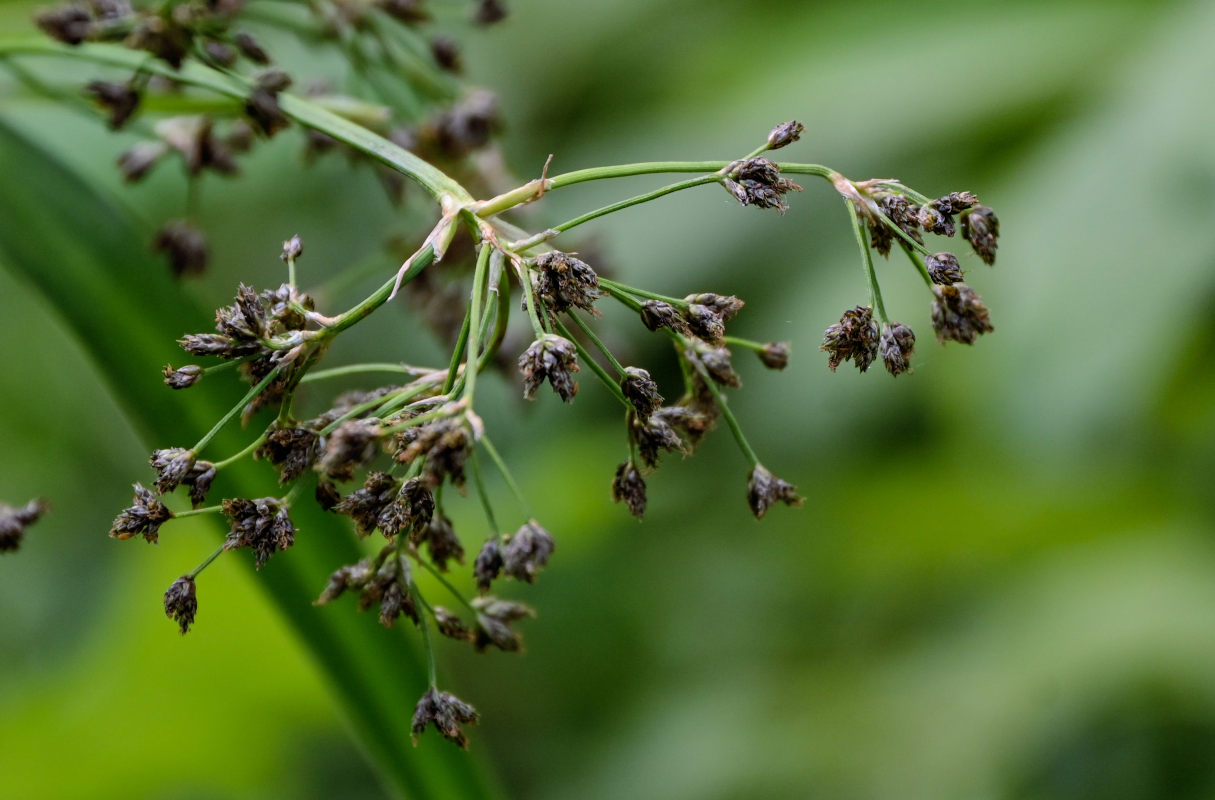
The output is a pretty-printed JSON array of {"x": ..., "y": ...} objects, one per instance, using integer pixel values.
[{"x": 1002, "y": 584}]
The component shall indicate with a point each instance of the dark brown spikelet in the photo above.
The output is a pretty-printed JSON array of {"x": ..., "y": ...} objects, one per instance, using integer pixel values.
[
  {"x": 351, "y": 576},
  {"x": 137, "y": 161},
  {"x": 488, "y": 564},
  {"x": 629, "y": 486},
  {"x": 657, "y": 314},
  {"x": 442, "y": 542},
  {"x": 785, "y": 134},
  {"x": 468, "y": 125},
  {"x": 958, "y": 313},
  {"x": 119, "y": 99},
  {"x": 366, "y": 505},
  {"x": 488, "y": 12},
  {"x": 527, "y": 551},
  {"x": 164, "y": 36},
  {"x": 897, "y": 345},
  {"x": 552, "y": 358},
  {"x": 184, "y": 245},
  {"x": 564, "y": 281},
  {"x": 981, "y": 227},
  {"x": 655, "y": 436},
  {"x": 494, "y": 617},
  {"x": 775, "y": 355},
  {"x": 902, "y": 213},
  {"x": 15, "y": 521},
  {"x": 261, "y": 525},
  {"x": 764, "y": 489},
  {"x": 352, "y": 445},
  {"x": 641, "y": 391},
  {"x": 181, "y": 604},
  {"x": 293, "y": 248},
  {"x": 291, "y": 451},
  {"x": 70, "y": 24},
  {"x": 854, "y": 338},
  {"x": 172, "y": 465},
  {"x": 758, "y": 182},
  {"x": 219, "y": 53},
  {"x": 262, "y": 107},
  {"x": 182, "y": 377},
  {"x": 451, "y": 626},
  {"x": 447, "y": 713},
  {"x": 250, "y": 48},
  {"x": 944, "y": 269},
  {"x": 144, "y": 517},
  {"x": 410, "y": 511},
  {"x": 408, "y": 12},
  {"x": 716, "y": 361},
  {"x": 446, "y": 53}
]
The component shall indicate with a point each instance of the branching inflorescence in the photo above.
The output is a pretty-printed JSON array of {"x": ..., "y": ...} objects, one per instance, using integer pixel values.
[{"x": 383, "y": 456}]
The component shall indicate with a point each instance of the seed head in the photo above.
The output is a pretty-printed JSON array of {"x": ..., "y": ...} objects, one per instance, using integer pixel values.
[
  {"x": 250, "y": 48},
  {"x": 489, "y": 11},
  {"x": 367, "y": 505},
  {"x": 468, "y": 125},
  {"x": 351, "y": 446},
  {"x": 291, "y": 451},
  {"x": 564, "y": 281},
  {"x": 69, "y": 24},
  {"x": 184, "y": 245},
  {"x": 14, "y": 521},
  {"x": 980, "y": 227},
  {"x": 657, "y": 314},
  {"x": 293, "y": 248},
  {"x": 180, "y": 602},
  {"x": 958, "y": 313},
  {"x": 758, "y": 182},
  {"x": 261, "y": 525},
  {"x": 350, "y": 576},
  {"x": 527, "y": 551},
  {"x": 119, "y": 99},
  {"x": 944, "y": 268},
  {"x": 784, "y": 134},
  {"x": 654, "y": 436},
  {"x": 494, "y": 617},
  {"x": 764, "y": 489},
  {"x": 775, "y": 355},
  {"x": 640, "y": 391},
  {"x": 137, "y": 161},
  {"x": 447, "y": 713},
  {"x": 451, "y": 626},
  {"x": 629, "y": 486},
  {"x": 262, "y": 106},
  {"x": 182, "y": 377},
  {"x": 442, "y": 542},
  {"x": 550, "y": 358},
  {"x": 854, "y": 338},
  {"x": 716, "y": 361},
  {"x": 896, "y": 345},
  {"x": 488, "y": 565},
  {"x": 409, "y": 12},
  {"x": 144, "y": 517}
]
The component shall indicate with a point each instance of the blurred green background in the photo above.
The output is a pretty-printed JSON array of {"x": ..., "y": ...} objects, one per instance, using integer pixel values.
[{"x": 1002, "y": 584}]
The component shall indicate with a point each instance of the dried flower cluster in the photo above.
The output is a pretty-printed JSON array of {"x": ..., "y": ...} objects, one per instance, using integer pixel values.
[
  {"x": 15, "y": 521},
  {"x": 381, "y": 457}
]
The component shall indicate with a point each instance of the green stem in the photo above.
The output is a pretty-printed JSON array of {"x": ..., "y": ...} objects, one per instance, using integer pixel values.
[
  {"x": 747, "y": 343},
  {"x": 206, "y": 562},
  {"x": 506, "y": 476},
  {"x": 196, "y": 511},
  {"x": 427, "y": 645},
  {"x": 611, "y": 285},
  {"x": 453, "y": 369},
  {"x": 530, "y": 300},
  {"x": 731, "y": 421},
  {"x": 456, "y": 593},
  {"x": 233, "y": 459},
  {"x": 919, "y": 264},
  {"x": 482, "y": 494},
  {"x": 355, "y": 369},
  {"x": 875, "y": 291},
  {"x": 380, "y": 296},
  {"x": 232, "y": 412},
  {"x": 480, "y": 275},
  {"x": 595, "y": 340},
  {"x": 600, "y": 372}
]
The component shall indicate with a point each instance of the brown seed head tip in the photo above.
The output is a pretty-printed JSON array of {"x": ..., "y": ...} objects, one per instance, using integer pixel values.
[
  {"x": 564, "y": 281},
  {"x": 552, "y": 358},
  {"x": 656, "y": 314},
  {"x": 764, "y": 489},
  {"x": 897, "y": 345},
  {"x": 446, "y": 712},
  {"x": 641, "y": 391},
  {"x": 958, "y": 314},
  {"x": 774, "y": 355},
  {"x": 854, "y": 338},
  {"x": 494, "y": 617},
  {"x": 981, "y": 227},
  {"x": 944, "y": 268},
  {"x": 15, "y": 521},
  {"x": 527, "y": 551},
  {"x": 293, "y": 248},
  {"x": 119, "y": 99},
  {"x": 488, "y": 564},
  {"x": 182, "y": 377},
  {"x": 250, "y": 49},
  {"x": 184, "y": 245},
  {"x": 180, "y": 602},
  {"x": 784, "y": 134},
  {"x": 144, "y": 517},
  {"x": 261, "y": 525},
  {"x": 758, "y": 182},
  {"x": 488, "y": 12},
  {"x": 409, "y": 12},
  {"x": 629, "y": 486}
]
